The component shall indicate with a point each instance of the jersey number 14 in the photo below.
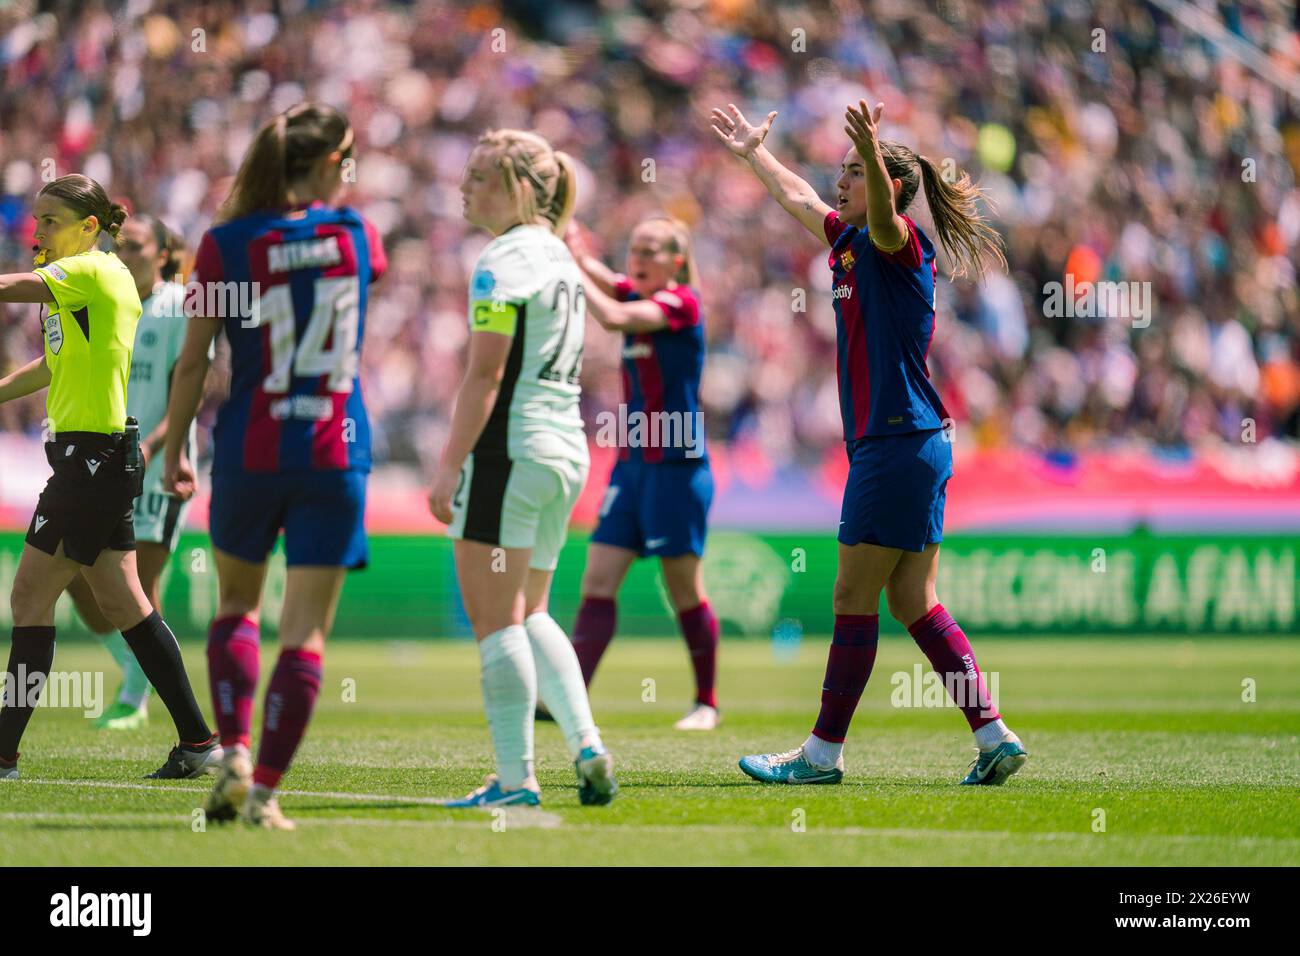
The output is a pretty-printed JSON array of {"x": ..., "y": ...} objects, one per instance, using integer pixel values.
[{"x": 335, "y": 318}]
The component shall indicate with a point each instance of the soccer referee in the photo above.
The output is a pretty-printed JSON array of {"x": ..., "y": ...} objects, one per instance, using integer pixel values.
[{"x": 83, "y": 520}]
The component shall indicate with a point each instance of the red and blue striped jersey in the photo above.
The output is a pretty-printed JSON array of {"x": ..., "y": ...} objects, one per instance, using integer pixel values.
[
  {"x": 661, "y": 376},
  {"x": 294, "y": 284},
  {"x": 884, "y": 323}
]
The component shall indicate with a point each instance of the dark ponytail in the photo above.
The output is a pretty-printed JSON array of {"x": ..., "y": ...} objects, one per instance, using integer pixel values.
[
  {"x": 167, "y": 242},
  {"x": 963, "y": 232},
  {"x": 87, "y": 198},
  {"x": 284, "y": 149}
]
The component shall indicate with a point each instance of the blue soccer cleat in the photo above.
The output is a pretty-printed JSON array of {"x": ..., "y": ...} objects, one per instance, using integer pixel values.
[
  {"x": 790, "y": 767},
  {"x": 596, "y": 784},
  {"x": 992, "y": 767},
  {"x": 491, "y": 795}
]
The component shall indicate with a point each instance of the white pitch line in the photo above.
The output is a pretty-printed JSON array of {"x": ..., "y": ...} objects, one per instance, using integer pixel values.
[
  {"x": 98, "y": 817},
  {"x": 531, "y": 818},
  {"x": 516, "y": 817},
  {"x": 720, "y": 828},
  {"x": 331, "y": 795}
]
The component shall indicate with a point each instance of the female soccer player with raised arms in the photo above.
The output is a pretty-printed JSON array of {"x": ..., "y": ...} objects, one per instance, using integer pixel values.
[
  {"x": 884, "y": 276},
  {"x": 83, "y": 521},
  {"x": 516, "y": 460},
  {"x": 291, "y": 447},
  {"x": 657, "y": 503}
]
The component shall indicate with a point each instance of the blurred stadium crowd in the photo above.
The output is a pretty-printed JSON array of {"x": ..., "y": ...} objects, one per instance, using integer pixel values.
[{"x": 1136, "y": 154}]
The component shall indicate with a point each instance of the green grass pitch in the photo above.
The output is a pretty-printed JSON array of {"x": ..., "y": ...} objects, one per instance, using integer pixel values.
[{"x": 1152, "y": 733}]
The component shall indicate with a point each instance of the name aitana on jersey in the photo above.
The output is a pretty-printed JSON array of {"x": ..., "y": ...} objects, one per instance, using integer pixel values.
[{"x": 295, "y": 399}]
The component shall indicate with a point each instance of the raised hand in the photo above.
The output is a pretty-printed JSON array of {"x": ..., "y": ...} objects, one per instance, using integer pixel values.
[
  {"x": 579, "y": 240},
  {"x": 861, "y": 125},
  {"x": 737, "y": 133}
]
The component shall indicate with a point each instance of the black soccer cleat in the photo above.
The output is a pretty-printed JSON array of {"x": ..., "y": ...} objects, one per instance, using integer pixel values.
[{"x": 186, "y": 761}]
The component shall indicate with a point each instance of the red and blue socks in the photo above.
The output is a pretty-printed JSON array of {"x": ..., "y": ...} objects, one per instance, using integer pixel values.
[
  {"x": 290, "y": 700},
  {"x": 700, "y": 629},
  {"x": 234, "y": 650},
  {"x": 592, "y": 632},
  {"x": 950, "y": 654},
  {"x": 848, "y": 668}
]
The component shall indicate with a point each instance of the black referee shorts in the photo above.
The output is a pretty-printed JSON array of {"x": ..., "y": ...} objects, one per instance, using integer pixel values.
[{"x": 88, "y": 502}]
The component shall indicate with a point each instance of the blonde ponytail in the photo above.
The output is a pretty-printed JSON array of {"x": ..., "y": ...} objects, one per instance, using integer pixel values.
[{"x": 540, "y": 180}]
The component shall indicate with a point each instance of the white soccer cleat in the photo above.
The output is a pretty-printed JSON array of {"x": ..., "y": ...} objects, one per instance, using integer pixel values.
[
  {"x": 701, "y": 717},
  {"x": 234, "y": 780},
  {"x": 262, "y": 810}
]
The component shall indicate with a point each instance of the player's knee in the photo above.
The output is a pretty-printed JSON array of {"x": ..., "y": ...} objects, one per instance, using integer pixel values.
[
  {"x": 685, "y": 594},
  {"x": 855, "y": 597},
  {"x": 597, "y": 583},
  {"x": 30, "y": 601},
  {"x": 121, "y": 611},
  {"x": 906, "y": 606},
  {"x": 236, "y": 604},
  {"x": 895, "y": 601},
  {"x": 22, "y": 602}
]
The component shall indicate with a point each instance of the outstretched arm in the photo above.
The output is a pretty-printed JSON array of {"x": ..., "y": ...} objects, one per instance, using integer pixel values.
[
  {"x": 640, "y": 315},
  {"x": 24, "y": 287},
  {"x": 795, "y": 195},
  {"x": 580, "y": 246},
  {"x": 886, "y": 226},
  {"x": 32, "y": 377}
]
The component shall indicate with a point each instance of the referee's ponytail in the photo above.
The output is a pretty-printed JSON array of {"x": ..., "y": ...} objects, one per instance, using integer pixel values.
[{"x": 87, "y": 198}]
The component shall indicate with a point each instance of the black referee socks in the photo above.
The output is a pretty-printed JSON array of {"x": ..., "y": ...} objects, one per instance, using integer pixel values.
[
  {"x": 32, "y": 652},
  {"x": 155, "y": 647}
]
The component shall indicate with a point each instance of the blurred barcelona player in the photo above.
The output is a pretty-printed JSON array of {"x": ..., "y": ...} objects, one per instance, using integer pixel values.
[
  {"x": 657, "y": 502},
  {"x": 292, "y": 442},
  {"x": 900, "y": 457}
]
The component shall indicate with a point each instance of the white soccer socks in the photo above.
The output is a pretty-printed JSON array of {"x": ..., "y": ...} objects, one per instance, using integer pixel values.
[
  {"x": 510, "y": 697},
  {"x": 822, "y": 753},
  {"x": 559, "y": 682},
  {"x": 992, "y": 734}
]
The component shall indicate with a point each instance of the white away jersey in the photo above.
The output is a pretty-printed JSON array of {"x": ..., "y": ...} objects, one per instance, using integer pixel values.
[
  {"x": 526, "y": 285},
  {"x": 158, "y": 340}
]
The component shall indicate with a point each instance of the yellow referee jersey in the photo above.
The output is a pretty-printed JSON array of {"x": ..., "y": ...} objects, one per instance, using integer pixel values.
[{"x": 89, "y": 333}]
